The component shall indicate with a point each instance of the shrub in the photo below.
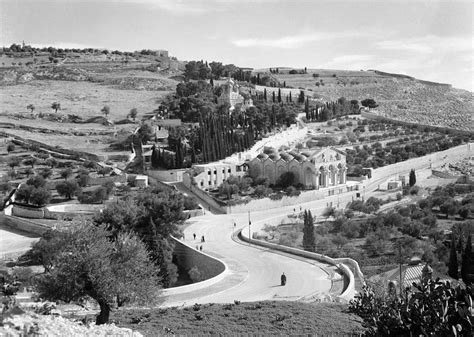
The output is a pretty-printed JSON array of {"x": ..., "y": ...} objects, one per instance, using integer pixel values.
[
  {"x": 195, "y": 274},
  {"x": 96, "y": 196}
]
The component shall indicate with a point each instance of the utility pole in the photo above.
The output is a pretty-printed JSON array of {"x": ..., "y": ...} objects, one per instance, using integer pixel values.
[{"x": 250, "y": 223}]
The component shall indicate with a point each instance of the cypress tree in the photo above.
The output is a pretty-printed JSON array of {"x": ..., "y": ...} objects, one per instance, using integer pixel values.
[
  {"x": 273, "y": 96},
  {"x": 154, "y": 157},
  {"x": 291, "y": 99},
  {"x": 301, "y": 97},
  {"x": 279, "y": 95},
  {"x": 412, "y": 178},
  {"x": 265, "y": 94},
  {"x": 212, "y": 82},
  {"x": 308, "y": 232},
  {"x": 258, "y": 79},
  {"x": 453, "y": 262},
  {"x": 467, "y": 261}
]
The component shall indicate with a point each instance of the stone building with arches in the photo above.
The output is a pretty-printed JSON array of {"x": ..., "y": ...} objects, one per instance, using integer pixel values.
[{"x": 314, "y": 169}]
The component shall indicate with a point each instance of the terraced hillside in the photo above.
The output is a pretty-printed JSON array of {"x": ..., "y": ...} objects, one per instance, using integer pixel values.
[
  {"x": 399, "y": 97},
  {"x": 83, "y": 83}
]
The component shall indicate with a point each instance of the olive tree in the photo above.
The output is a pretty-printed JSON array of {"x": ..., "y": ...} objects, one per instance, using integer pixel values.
[{"x": 84, "y": 261}]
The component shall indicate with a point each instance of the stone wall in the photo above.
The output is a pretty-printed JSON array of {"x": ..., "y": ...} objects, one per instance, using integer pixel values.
[
  {"x": 349, "y": 291},
  {"x": 305, "y": 196},
  {"x": 189, "y": 257},
  {"x": 23, "y": 225},
  {"x": 403, "y": 168},
  {"x": 168, "y": 175}
]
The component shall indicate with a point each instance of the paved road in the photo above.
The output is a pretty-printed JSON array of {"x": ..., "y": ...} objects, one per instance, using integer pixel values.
[{"x": 254, "y": 272}]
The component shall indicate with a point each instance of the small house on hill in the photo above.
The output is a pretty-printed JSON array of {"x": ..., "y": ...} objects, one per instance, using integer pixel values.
[{"x": 413, "y": 272}]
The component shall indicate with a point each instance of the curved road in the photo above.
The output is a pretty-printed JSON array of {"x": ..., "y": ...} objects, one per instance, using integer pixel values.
[{"x": 253, "y": 272}]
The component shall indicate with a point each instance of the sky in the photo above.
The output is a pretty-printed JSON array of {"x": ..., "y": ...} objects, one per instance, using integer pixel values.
[{"x": 427, "y": 39}]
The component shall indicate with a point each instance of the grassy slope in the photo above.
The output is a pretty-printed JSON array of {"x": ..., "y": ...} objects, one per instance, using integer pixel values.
[
  {"x": 399, "y": 97},
  {"x": 287, "y": 318}
]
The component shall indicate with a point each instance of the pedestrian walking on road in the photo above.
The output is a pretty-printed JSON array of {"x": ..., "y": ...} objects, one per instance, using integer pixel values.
[
  {"x": 283, "y": 279},
  {"x": 202, "y": 239},
  {"x": 197, "y": 247},
  {"x": 194, "y": 235},
  {"x": 200, "y": 248}
]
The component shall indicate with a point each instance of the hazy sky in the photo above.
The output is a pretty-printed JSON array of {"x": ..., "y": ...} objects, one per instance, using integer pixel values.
[{"x": 430, "y": 40}]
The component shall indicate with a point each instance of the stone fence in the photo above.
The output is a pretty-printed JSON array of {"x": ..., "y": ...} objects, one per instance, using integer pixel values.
[
  {"x": 212, "y": 269},
  {"x": 348, "y": 292}
]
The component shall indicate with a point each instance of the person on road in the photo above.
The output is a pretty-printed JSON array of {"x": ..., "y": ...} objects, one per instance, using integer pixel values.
[
  {"x": 202, "y": 239},
  {"x": 194, "y": 235},
  {"x": 200, "y": 248},
  {"x": 283, "y": 279}
]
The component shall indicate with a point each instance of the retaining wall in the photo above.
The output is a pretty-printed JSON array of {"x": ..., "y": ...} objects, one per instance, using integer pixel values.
[
  {"x": 23, "y": 225},
  {"x": 451, "y": 155},
  {"x": 213, "y": 269},
  {"x": 348, "y": 292},
  {"x": 267, "y": 203}
]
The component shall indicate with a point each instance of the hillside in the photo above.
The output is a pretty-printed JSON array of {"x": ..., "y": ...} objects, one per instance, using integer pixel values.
[
  {"x": 83, "y": 83},
  {"x": 399, "y": 97}
]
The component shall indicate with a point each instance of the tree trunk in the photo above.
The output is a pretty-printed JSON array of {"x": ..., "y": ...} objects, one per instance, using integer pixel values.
[{"x": 104, "y": 314}]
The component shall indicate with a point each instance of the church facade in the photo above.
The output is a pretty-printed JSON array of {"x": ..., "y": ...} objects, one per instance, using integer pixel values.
[{"x": 322, "y": 168}]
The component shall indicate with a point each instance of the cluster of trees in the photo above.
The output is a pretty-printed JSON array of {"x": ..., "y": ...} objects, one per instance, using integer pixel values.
[
  {"x": 330, "y": 110},
  {"x": 220, "y": 133},
  {"x": 201, "y": 70},
  {"x": 461, "y": 252},
  {"x": 377, "y": 155},
  {"x": 432, "y": 308},
  {"x": 22, "y": 48},
  {"x": 34, "y": 192},
  {"x": 260, "y": 187}
]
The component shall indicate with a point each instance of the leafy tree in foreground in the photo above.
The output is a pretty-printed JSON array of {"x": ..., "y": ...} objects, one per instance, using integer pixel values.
[
  {"x": 434, "y": 308},
  {"x": 154, "y": 216},
  {"x": 84, "y": 262}
]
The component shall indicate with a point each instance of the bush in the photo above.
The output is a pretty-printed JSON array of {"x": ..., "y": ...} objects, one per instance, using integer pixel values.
[
  {"x": 414, "y": 190},
  {"x": 40, "y": 196},
  {"x": 195, "y": 274}
]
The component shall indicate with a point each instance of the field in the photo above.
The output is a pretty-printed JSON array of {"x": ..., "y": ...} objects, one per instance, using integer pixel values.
[
  {"x": 83, "y": 84},
  {"x": 259, "y": 318}
]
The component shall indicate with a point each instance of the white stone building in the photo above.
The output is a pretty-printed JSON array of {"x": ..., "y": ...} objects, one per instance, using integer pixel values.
[
  {"x": 325, "y": 167},
  {"x": 212, "y": 175}
]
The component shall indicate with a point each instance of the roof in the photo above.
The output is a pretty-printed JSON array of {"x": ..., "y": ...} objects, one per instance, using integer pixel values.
[{"x": 410, "y": 274}]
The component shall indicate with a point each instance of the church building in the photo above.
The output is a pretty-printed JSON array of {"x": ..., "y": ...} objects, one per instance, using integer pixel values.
[{"x": 321, "y": 168}]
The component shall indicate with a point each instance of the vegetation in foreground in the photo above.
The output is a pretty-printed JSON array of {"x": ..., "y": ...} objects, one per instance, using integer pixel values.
[{"x": 243, "y": 318}]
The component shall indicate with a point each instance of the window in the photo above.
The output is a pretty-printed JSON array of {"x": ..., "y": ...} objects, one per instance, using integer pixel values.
[
  {"x": 239, "y": 168},
  {"x": 228, "y": 170},
  {"x": 202, "y": 183},
  {"x": 209, "y": 183},
  {"x": 215, "y": 171},
  {"x": 209, "y": 172},
  {"x": 223, "y": 171}
]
